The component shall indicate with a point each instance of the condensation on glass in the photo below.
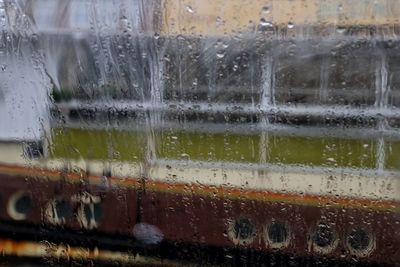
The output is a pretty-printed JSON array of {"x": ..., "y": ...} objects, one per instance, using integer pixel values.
[{"x": 200, "y": 131}]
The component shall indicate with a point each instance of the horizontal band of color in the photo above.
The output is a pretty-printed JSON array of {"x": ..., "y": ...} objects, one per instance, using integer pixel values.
[
  {"x": 186, "y": 106},
  {"x": 97, "y": 144},
  {"x": 219, "y": 17},
  {"x": 295, "y": 199},
  {"x": 346, "y": 183},
  {"x": 71, "y": 177},
  {"x": 45, "y": 249},
  {"x": 208, "y": 190},
  {"x": 77, "y": 143}
]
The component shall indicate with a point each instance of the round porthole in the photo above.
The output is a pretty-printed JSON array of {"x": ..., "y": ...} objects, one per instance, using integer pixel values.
[
  {"x": 360, "y": 242},
  {"x": 277, "y": 234},
  {"x": 93, "y": 212},
  {"x": 324, "y": 238},
  {"x": 19, "y": 205},
  {"x": 90, "y": 215},
  {"x": 58, "y": 211},
  {"x": 242, "y": 231},
  {"x": 90, "y": 210}
]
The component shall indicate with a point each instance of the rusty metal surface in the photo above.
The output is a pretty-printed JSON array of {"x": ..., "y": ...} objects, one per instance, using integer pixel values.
[
  {"x": 53, "y": 253},
  {"x": 153, "y": 213}
]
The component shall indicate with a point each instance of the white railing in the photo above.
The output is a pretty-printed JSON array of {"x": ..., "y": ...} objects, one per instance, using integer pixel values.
[{"x": 312, "y": 110}]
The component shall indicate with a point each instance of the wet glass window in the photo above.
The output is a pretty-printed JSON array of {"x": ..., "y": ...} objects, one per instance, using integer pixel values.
[{"x": 199, "y": 132}]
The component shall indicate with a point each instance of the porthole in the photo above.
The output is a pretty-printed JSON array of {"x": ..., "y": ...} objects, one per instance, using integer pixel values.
[
  {"x": 93, "y": 212},
  {"x": 277, "y": 234},
  {"x": 19, "y": 205},
  {"x": 324, "y": 238},
  {"x": 58, "y": 211},
  {"x": 360, "y": 242},
  {"x": 242, "y": 231},
  {"x": 90, "y": 212}
]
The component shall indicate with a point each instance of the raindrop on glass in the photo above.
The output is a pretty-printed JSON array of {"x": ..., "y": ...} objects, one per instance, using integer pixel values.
[
  {"x": 189, "y": 9},
  {"x": 265, "y": 10},
  {"x": 340, "y": 29},
  {"x": 220, "y": 55},
  {"x": 265, "y": 23}
]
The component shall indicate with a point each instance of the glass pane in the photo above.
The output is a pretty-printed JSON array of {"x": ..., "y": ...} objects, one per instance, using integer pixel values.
[{"x": 200, "y": 132}]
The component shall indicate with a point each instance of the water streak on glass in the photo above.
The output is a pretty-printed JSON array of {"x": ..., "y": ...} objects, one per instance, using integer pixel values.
[{"x": 206, "y": 132}]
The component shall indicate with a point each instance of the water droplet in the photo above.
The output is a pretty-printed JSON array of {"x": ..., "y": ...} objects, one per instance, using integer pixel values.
[
  {"x": 340, "y": 29},
  {"x": 125, "y": 23},
  {"x": 124, "y": 20},
  {"x": 265, "y": 9},
  {"x": 220, "y": 54},
  {"x": 180, "y": 37},
  {"x": 34, "y": 37},
  {"x": 189, "y": 9},
  {"x": 331, "y": 159},
  {"x": 147, "y": 234},
  {"x": 185, "y": 156},
  {"x": 265, "y": 23}
]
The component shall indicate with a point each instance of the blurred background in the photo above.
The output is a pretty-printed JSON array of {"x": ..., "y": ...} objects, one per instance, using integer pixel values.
[{"x": 199, "y": 132}]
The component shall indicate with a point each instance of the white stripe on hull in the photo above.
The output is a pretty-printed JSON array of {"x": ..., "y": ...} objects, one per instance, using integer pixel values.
[{"x": 340, "y": 182}]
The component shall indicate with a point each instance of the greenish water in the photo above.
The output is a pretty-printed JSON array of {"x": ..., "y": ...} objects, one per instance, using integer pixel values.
[
  {"x": 74, "y": 143},
  {"x": 125, "y": 145}
]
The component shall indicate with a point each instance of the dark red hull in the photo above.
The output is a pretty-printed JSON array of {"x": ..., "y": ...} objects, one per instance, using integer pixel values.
[{"x": 367, "y": 230}]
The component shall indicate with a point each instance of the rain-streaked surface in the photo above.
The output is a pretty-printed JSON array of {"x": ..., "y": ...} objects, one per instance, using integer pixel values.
[{"x": 200, "y": 131}]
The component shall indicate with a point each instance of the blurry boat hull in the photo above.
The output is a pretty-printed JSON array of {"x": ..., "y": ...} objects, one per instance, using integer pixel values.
[{"x": 206, "y": 215}]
